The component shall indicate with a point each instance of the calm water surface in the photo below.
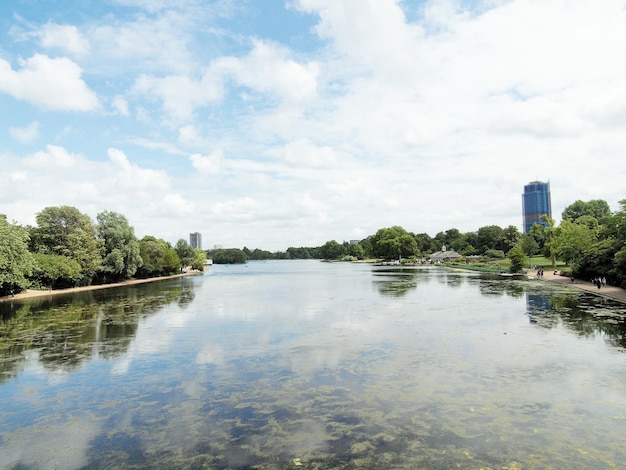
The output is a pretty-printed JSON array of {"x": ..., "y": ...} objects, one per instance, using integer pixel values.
[{"x": 288, "y": 364}]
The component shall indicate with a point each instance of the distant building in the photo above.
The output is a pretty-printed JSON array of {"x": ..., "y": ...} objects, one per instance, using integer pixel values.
[
  {"x": 195, "y": 240},
  {"x": 536, "y": 202},
  {"x": 444, "y": 255}
]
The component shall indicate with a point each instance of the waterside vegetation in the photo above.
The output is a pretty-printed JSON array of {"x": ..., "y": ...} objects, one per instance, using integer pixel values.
[{"x": 66, "y": 248}]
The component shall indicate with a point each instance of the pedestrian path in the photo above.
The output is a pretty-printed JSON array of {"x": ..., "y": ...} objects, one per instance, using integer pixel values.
[{"x": 611, "y": 292}]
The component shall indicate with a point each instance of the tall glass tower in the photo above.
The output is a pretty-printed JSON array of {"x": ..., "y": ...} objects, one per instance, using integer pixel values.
[
  {"x": 195, "y": 240},
  {"x": 535, "y": 203}
]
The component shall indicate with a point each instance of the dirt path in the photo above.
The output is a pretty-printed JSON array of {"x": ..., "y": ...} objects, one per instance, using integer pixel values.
[
  {"x": 42, "y": 293},
  {"x": 611, "y": 292}
]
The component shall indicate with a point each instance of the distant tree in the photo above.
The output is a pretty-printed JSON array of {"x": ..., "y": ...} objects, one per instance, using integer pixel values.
[
  {"x": 539, "y": 234},
  {"x": 16, "y": 262},
  {"x": 158, "y": 257},
  {"x": 509, "y": 238},
  {"x": 496, "y": 254},
  {"x": 332, "y": 250},
  {"x": 55, "y": 271},
  {"x": 65, "y": 231},
  {"x": 528, "y": 244},
  {"x": 298, "y": 253},
  {"x": 121, "y": 257},
  {"x": 425, "y": 243},
  {"x": 184, "y": 251},
  {"x": 518, "y": 259},
  {"x": 550, "y": 233},
  {"x": 393, "y": 243},
  {"x": 489, "y": 238},
  {"x": 354, "y": 249},
  {"x": 198, "y": 260},
  {"x": 597, "y": 208},
  {"x": 571, "y": 240},
  {"x": 227, "y": 256}
]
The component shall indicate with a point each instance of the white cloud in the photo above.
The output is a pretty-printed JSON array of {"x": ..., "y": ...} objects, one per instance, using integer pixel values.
[
  {"x": 25, "y": 135},
  {"x": 152, "y": 43},
  {"x": 190, "y": 136},
  {"x": 268, "y": 69},
  {"x": 127, "y": 176},
  {"x": 429, "y": 115},
  {"x": 51, "y": 83},
  {"x": 120, "y": 105},
  {"x": 265, "y": 70},
  {"x": 64, "y": 37},
  {"x": 180, "y": 94},
  {"x": 209, "y": 165}
]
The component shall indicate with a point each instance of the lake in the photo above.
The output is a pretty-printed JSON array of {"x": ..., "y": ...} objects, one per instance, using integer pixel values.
[{"x": 288, "y": 364}]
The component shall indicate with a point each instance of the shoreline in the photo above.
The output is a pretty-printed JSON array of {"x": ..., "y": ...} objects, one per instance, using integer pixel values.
[
  {"x": 32, "y": 293},
  {"x": 609, "y": 292}
]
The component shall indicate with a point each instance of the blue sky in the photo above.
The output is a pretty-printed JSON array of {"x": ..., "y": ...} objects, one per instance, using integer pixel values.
[{"x": 271, "y": 124}]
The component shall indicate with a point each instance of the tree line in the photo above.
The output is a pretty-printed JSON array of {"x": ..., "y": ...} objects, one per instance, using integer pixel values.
[
  {"x": 590, "y": 239},
  {"x": 66, "y": 248}
]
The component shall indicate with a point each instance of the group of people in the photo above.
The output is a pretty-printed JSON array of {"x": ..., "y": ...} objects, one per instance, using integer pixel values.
[{"x": 599, "y": 281}]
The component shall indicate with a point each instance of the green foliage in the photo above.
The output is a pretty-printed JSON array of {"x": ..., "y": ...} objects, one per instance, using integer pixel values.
[
  {"x": 302, "y": 253},
  {"x": 596, "y": 208},
  {"x": 571, "y": 241},
  {"x": 158, "y": 257},
  {"x": 495, "y": 254},
  {"x": 425, "y": 243},
  {"x": 528, "y": 244},
  {"x": 55, "y": 271},
  {"x": 394, "y": 243},
  {"x": 198, "y": 260},
  {"x": 65, "y": 231},
  {"x": 518, "y": 259},
  {"x": 121, "y": 257},
  {"x": 331, "y": 250},
  {"x": 184, "y": 251},
  {"x": 16, "y": 262},
  {"x": 227, "y": 256}
]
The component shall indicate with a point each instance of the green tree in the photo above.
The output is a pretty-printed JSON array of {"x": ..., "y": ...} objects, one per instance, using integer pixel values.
[
  {"x": 332, "y": 250},
  {"x": 158, "y": 257},
  {"x": 55, "y": 271},
  {"x": 597, "y": 208},
  {"x": 16, "y": 262},
  {"x": 394, "y": 243},
  {"x": 185, "y": 252},
  {"x": 571, "y": 240},
  {"x": 518, "y": 259},
  {"x": 198, "y": 260},
  {"x": 528, "y": 244},
  {"x": 488, "y": 238},
  {"x": 65, "y": 231},
  {"x": 227, "y": 256},
  {"x": 425, "y": 243},
  {"x": 549, "y": 232},
  {"x": 121, "y": 257},
  {"x": 510, "y": 237}
]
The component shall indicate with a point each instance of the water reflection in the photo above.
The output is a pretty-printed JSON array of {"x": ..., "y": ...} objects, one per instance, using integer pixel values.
[
  {"x": 395, "y": 281},
  {"x": 65, "y": 331},
  {"x": 270, "y": 364},
  {"x": 585, "y": 314}
]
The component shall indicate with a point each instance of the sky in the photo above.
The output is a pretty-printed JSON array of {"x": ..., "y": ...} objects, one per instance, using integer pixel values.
[{"x": 277, "y": 123}]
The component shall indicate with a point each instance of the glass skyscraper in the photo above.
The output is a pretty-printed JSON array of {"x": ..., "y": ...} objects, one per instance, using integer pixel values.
[
  {"x": 195, "y": 240},
  {"x": 535, "y": 203}
]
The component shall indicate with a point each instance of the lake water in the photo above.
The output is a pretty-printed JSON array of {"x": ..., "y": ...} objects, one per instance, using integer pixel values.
[{"x": 304, "y": 364}]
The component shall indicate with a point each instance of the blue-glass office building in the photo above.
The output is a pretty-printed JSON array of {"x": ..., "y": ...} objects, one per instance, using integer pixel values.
[{"x": 535, "y": 203}]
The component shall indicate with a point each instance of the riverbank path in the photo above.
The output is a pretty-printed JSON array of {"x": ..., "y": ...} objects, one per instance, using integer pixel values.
[{"x": 611, "y": 292}]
